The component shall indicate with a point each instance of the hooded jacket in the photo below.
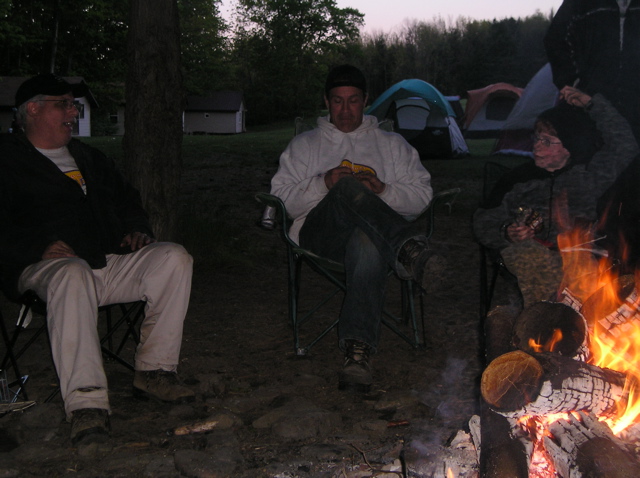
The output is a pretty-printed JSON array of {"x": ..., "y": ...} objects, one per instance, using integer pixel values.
[
  {"x": 39, "y": 205},
  {"x": 299, "y": 181},
  {"x": 563, "y": 197}
]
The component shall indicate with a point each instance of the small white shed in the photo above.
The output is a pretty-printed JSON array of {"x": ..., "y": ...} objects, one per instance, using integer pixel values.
[{"x": 223, "y": 112}]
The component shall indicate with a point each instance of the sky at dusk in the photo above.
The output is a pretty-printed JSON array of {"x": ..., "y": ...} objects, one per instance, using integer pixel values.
[{"x": 387, "y": 15}]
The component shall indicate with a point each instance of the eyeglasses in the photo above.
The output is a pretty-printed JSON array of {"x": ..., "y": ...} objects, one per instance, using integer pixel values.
[
  {"x": 545, "y": 142},
  {"x": 65, "y": 104}
]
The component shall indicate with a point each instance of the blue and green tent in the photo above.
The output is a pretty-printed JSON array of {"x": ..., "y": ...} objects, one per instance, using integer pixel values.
[{"x": 423, "y": 116}]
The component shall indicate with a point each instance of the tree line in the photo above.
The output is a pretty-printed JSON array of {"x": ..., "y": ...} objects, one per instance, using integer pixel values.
[{"x": 277, "y": 52}]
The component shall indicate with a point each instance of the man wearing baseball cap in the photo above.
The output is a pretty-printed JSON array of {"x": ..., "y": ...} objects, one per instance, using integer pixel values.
[
  {"x": 75, "y": 233},
  {"x": 349, "y": 187}
]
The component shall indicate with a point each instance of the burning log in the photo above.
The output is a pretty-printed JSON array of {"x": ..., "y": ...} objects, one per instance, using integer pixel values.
[
  {"x": 611, "y": 306},
  {"x": 518, "y": 384},
  {"x": 552, "y": 327},
  {"x": 504, "y": 447},
  {"x": 581, "y": 446},
  {"x": 498, "y": 331}
]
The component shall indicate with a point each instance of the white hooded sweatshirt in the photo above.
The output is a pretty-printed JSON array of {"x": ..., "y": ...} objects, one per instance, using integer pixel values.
[{"x": 299, "y": 181}]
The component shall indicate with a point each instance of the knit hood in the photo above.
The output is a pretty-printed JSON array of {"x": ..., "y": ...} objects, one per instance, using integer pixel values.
[{"x": 575, "y": 129}]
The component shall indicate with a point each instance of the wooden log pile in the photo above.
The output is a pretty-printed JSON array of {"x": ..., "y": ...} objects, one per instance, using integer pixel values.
[{"x": 545, "y": 370}]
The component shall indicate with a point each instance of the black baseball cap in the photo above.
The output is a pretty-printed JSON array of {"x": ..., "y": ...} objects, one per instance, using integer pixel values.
[
  {"x": 345, "y": 75},
  {"x": 50, "y": 85}
]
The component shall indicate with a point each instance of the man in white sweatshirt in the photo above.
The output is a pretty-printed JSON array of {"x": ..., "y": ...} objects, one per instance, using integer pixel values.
[{"x": 350, "y": 188}]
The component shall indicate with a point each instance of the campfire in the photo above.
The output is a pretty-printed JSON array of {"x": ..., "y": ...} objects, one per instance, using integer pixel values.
[{"x": 570, "y": 391}]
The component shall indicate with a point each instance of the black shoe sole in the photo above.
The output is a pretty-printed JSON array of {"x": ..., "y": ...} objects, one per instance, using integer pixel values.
[
  {"x": 91, "y": 435},
  {"x": 146, "y": 396}
]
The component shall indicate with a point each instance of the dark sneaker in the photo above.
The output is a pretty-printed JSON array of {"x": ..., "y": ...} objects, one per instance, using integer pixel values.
[
  {"x": 427, "y": 268},
  {"x": 161, "y": 385},
  {"x": 90, "y": 429},
  {"x": 356, "y": 372}
]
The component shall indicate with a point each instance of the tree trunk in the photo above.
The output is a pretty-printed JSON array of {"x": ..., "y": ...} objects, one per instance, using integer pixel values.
[
  {"x": 153, "y": 114},
  {"x": 54, "y": 36}
]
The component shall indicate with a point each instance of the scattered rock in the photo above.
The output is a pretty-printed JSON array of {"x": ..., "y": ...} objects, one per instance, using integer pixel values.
[{"x": 197, "y": 464}]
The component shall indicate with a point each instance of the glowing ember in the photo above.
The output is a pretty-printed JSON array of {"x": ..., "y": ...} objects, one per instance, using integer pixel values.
[{"x": 549, "y": 346}]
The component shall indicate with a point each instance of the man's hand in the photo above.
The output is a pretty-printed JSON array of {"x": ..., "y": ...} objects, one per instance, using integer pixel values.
[
  {"x": 58, "y": 249},
  {"x": 516, "y": 233},
  {"x": 371, "y": 182},
  {"x": 334, "y": 175},
  {"x": 574, "y": 96},
  {"x": 136, "y": 240}
]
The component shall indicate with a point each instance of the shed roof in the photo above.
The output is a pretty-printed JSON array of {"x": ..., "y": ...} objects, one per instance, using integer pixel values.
[{"x": 223, "y": 101}]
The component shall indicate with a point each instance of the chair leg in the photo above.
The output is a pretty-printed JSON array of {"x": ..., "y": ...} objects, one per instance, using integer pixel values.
[
  {"x": 130, "y": 316},
  {"x": 408, "y": 290},
  {"x": 484, "y": 292},
  {"x": 294, "y": 264},
  {"x": 11, "y": 356}
]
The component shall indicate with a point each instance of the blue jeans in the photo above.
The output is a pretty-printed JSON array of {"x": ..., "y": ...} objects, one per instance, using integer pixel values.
[{"x": 352, "y": 225}]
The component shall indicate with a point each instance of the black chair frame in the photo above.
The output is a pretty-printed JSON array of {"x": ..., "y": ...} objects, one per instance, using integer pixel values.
[
  {"x": 334, "y": 272},
  {"x": 130, "y": 315}
]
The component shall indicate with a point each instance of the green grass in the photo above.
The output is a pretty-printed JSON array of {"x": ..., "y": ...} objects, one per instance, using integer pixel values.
[
  {"x": 264, "y": 143},
  {"x": 267, "y": 142},
  {"x": 217, "y": 226}
]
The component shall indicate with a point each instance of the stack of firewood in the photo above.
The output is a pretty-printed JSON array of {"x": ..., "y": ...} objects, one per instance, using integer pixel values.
[{"x": 548, "y": 372}]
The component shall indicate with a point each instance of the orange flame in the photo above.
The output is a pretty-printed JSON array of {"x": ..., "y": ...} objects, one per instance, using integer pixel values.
[
  {"x": 549, "y": 346},
  {"x": 610, "y": 306}
]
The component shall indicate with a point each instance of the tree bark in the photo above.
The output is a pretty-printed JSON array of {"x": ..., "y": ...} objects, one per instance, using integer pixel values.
[
  {"x": 518, "y": 384},
  {"x": 153, "y": 114}
]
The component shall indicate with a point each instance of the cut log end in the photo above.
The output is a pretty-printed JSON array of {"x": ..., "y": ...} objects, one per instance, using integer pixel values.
[
  {"x": 550, "y": 327},
  {"x": 511, "y": 381}
]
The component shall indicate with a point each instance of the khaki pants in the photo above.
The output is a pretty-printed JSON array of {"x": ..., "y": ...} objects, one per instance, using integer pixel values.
[
  {"x": 159, "y": 274},
  {"x": 538, "y": 269}
]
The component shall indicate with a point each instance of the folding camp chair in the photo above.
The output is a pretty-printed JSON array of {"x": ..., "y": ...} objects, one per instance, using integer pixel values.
[
  {"x": 334, "y": 273},
  {"x": 129, "y": 318},
  {"x": 492, "y": 265}
]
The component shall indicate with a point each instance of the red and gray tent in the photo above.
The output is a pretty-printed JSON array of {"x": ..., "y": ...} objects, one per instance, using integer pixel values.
[
  {"x": 539, "y": 95},
  {"x": 488, "y": 108}
]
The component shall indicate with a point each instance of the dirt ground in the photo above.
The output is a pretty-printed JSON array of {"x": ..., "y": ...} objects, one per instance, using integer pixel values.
[{"x": 238, "y": 354}]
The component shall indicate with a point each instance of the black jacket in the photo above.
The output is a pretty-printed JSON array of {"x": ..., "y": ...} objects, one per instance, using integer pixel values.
[
  {"x": 39, "y": 205},
  {"x": 591, "y": 42}
]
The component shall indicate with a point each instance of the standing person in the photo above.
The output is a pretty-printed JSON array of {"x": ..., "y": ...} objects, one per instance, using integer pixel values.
[
  {"x": 594, "y": 45},
  {"x": 74, "y": 232},
  {"x": 580, "y": 148},
  {"x": 347, "y": 184}
]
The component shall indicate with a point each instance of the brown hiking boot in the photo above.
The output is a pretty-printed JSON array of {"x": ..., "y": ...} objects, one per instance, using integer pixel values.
[
  {"x": 427, "y": 268},
  {"x": 90, "y": 429},
  {"x": 161, "y": 385},
  {"x": 356, "y": 372}
]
